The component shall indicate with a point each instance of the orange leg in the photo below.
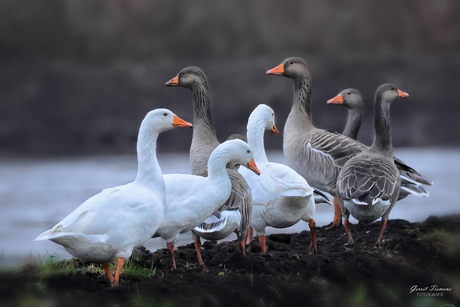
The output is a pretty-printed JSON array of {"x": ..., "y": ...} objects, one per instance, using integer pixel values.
[
  {"x": 242, "y": 246},
  {"x": 337, "y": 214},
  {"x": 262, "y": 243},
  {"x": 172, "y": 261},
  {"x": 346, "y": 223},
  {"x": 106, "y": 268},
  {"x": 198, "y": 250},
  {"x": 382, "y": 228},
  {"x": 118, "y": 271},
  {"x": 312, "y": 225},
  {"x": 249, "y": 235}
]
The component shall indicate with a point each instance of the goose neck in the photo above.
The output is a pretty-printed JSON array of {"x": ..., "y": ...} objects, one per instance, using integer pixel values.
[
  {"x": 302, "y": 95},
  {"x": 353, "y": 123},
  {"x": 382, "y": 140},
  {"x": 217, "y": 162},
  {"x": 255, "y": 135},
  {"x": 202, "y": 109},
  {"x": 148, "y": 169}
]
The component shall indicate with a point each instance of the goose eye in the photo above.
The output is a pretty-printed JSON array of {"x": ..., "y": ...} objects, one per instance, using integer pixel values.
[
  {"x": 182, "y": 73},
  {"x": 165, "y": 114},
  {"x": 290, "y": 63},
  {"x": 393, "y": 88},
  {"x": 248, "y": 151},
  {"x": 349, "y": 94}
]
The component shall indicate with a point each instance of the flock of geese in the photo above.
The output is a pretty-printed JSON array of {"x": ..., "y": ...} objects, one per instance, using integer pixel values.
[{"x": 234, "y": 188}]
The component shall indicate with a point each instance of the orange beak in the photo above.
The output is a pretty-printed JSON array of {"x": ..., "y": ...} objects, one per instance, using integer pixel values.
[
  {"x": 278, "y": 70},
  {"x": 180, "y": 123},
  {"x": 402, "y": 94},
  {"x": 336, "y": 100},
  {"x": 173, "y": 82},
  {"x": 252, "y": 166},
  {"x": 274, "y": 130}
]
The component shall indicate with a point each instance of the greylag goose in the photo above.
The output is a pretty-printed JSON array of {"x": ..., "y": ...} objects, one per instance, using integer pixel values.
[
  {"x": 351, "y": 98},
  {"x": 368, "y": 184},
  {"x": 281, "y": 196},
  {"x": 110, "y": 224},
  {"x": 316, "y": 154},
  {"x": 191, "y": 199},
  {"x": 204, "y": 141}
]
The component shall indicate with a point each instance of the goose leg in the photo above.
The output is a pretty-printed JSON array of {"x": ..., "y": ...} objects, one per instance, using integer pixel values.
[
  {"x": 382, "y": 229},
  {"x": 198, "y": 253},
  {"x": 262, "y": 243},
  {"x": 337, "y": 214},
  {"x": 172, "y": 261},
  {"x": 249, "y": 235},
  {"x": 312, "y": 225},
  {"x": 118, "y": 271},
  {"x": 106, "y": 268},
  {"x": 198, "y": 250},
  {"x": 242, "y": 245},
  {"x": 346, "y": 223}
]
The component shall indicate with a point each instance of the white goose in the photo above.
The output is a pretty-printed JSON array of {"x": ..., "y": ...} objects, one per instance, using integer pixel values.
[
  {"x": 190, "y": 199},
  {"x": 111, "y": 223},
  {"x": 281, "y": 196}
]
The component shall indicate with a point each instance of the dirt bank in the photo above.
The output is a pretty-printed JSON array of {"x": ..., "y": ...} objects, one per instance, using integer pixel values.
[{"x": 412, "y": 255}]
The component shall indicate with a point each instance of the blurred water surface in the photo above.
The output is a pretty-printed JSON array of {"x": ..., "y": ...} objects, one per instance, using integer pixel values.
[{"x": 35, "y": 194}]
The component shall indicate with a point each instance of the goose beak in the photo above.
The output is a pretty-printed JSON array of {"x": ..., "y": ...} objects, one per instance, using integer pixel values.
[
  {"x": 180, "y": 123},
  {"x": 274, "y": 130},
  {"x": 173, "y": 82},
  {"x": 278, "y": 70},
  {"x": 402, "y": 94},
  {"x": 252, "y": 166},
  {"x": 336, "y": 100}
]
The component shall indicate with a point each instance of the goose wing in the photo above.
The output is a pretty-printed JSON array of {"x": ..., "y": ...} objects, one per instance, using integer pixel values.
[
  {"x": 99, "y": 214},
  {"x": 368, "y": 180},
  {"x": 334, "y": 146}
]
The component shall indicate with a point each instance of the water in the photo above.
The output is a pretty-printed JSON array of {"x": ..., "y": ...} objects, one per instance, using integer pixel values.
[{"x": 35, "y": 194}]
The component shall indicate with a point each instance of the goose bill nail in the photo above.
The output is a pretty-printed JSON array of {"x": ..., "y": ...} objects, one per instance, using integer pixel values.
[
  {"x": 278, "y": 70},
  {"x": 336, "y": 100},
  {"x": 173, "y": 82},
  {"x": 180, "y": 123},
  {"x": 252, "y": 166}
]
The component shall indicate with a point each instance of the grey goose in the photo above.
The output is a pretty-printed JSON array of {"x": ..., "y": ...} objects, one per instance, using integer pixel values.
[
  {"x": 351, "y": 98},
  {"x": 368, "y": 184},
  {"x": 316, "y": 154}
]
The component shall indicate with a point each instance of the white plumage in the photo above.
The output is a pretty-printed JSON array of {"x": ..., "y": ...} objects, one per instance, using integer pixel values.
[
  {"x": 111, "y": 223},
  {"x": 281, "y": 196},
  {"x": 191, "y": 199}
]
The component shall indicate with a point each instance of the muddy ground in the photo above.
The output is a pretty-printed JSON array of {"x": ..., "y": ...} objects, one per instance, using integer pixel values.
[{"x": 412, "y": 254}]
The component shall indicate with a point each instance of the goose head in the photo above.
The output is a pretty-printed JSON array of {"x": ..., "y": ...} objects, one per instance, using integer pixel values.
[
  {"x": 239, "y": 152},
  {"x": 160, "y": 120},
  {"x": 265, "y": 114},
  {"x": 188, "y": 77},
  {"x": 389, "y": 92},
  {"x": 292, "y": 68},
  {"x": 350, "y": 98}
]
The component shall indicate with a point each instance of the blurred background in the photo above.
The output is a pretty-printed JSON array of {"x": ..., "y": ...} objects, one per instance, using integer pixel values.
[{"x": 77, "y": 77}]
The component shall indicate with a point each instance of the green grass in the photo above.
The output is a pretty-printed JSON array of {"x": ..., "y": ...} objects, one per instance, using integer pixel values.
[
  {"x": 444, "y": 241},
  {"x": 130, "y": 267},
  {"x": 54, "y": 265}
]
